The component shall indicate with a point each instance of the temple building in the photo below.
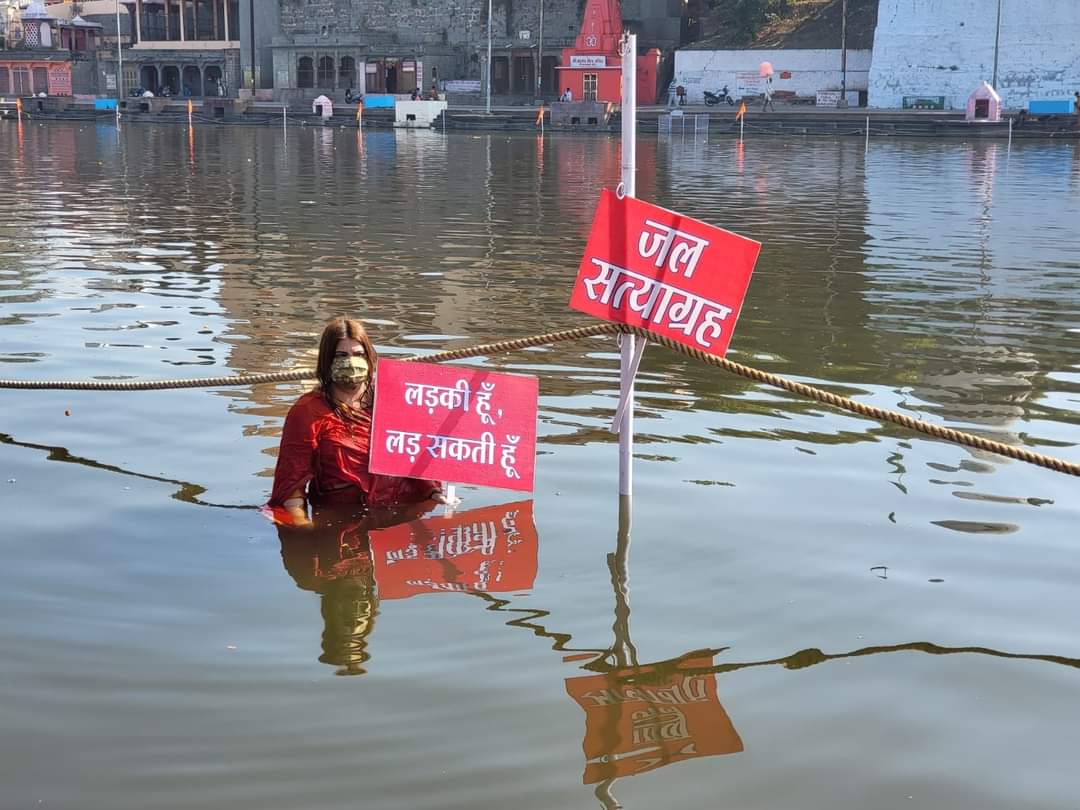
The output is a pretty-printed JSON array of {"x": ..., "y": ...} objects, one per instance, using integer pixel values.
[
  {"x": 591, "y": 70},
  {"x": 46, "y": 53},
  {"x": 185, "y": 48}
]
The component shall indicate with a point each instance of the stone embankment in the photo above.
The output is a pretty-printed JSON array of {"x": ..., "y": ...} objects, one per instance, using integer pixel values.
[{"x": 786, "y": 120}]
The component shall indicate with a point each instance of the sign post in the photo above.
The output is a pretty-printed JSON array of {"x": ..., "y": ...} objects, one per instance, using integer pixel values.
[{"x": 630, "y": 352}]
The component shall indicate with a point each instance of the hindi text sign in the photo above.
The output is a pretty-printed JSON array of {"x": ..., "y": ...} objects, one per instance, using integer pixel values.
[
  {"x": 675, "y": 276},
  {"x": 454, "y": 424},
  {"x": 643, "y": 718},
  {"x": 492, "y": 549}
]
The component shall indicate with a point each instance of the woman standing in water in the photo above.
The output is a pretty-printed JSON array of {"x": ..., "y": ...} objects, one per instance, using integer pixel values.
[{"x": 326, "y": 440}]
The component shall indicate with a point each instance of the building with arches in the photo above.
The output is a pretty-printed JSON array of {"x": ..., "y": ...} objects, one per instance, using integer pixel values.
[
  {"x": 184, "y": 48},
  {"x": 304, "y": 49}
]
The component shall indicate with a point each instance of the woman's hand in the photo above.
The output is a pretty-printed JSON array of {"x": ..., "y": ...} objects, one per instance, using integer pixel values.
[
  {"x": 446, "y": 500},
  {"x": 299, "y": 517}
]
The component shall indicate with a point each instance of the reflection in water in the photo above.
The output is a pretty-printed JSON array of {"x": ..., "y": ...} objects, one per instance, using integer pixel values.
[
  {"x": 186, "y": 492},
  {"x": 493, "y": 549},
  {"x": 335, "y": 562},
  {"x": 637, "y": 718},
  {"x": 333, "y": 559},
  {"x": 917, "y": 276},
  {"x": 354, "y": 561},
  {"x": 640, "y": 717}
]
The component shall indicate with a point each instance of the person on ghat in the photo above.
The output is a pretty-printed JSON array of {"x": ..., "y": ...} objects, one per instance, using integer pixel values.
[{"x": 326, "y": 439}]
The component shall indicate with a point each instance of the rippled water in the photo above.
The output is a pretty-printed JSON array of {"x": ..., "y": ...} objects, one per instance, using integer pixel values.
[{"x": 876, "y": 620}]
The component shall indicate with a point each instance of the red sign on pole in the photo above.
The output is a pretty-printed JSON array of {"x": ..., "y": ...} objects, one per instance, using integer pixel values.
[
  {"x": 493, "y": 549},
  {"x": 675, "y": 276},
  {"x": 644, "y": 718},
  {"x": 454, "y": 424}
]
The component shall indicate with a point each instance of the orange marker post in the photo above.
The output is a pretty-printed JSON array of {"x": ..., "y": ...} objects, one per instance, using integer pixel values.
[
  {"x": 359, "y": 114},
  {"x": 18, "y": 108}
]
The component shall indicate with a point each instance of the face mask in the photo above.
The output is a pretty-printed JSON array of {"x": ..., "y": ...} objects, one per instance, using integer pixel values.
[{"x": 349, "y": 370}]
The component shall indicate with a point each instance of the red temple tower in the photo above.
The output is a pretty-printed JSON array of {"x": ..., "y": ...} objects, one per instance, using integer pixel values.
[{"x": 592, "y": 69}]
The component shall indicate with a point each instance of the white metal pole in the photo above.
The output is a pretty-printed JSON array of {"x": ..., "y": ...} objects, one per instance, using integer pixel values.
[
  {"x": 997, "y": 47},
  {"x": 843, "y": 54},
  {"x": 540, "y": 59},
  {"x": 487, "y": 104},
  {"x": 866, "y": 147},
  {"x": 120, "y": 64},
  {"x": 626, "y": 359}
]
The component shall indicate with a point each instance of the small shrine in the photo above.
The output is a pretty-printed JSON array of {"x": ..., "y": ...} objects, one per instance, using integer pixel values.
[
  {"x": 984, "y": 104},
  {"x": 592, "y": 69}
]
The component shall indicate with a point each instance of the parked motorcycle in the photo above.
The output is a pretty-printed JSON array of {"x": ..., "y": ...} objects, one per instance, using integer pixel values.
[{"x": 719, "y": 98}]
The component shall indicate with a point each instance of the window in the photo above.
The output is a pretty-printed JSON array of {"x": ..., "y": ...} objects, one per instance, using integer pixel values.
[
  {"x": 4, "y": 86},
  {"x": 305, "y": 72},
  {"x": 41, "y": 80},
  {"x": 326, "y": 72},
  {"x": 21, "y": 85},
  {"x": 589, "y": 93},
  {"x": 347, "y": 72}
]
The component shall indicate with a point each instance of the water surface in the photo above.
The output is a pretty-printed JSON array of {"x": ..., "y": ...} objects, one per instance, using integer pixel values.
[{"x": 874, "y": 619}]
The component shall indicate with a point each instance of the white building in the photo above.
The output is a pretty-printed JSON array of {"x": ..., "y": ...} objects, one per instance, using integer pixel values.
[
  {"x": 945, "y": 48},
  {"x": 803, "y": 72}
]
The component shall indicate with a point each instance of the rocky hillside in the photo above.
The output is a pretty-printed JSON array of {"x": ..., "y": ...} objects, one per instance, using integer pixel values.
[{"x": 784, "y": 24}]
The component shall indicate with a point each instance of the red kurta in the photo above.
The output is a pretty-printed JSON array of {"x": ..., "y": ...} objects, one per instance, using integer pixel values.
[{"x": 329, "y": 455}]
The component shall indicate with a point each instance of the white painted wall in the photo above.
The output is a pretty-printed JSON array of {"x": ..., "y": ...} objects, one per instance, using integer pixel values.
[
  {"x": 811, "y": 70},
  {"x": 946, "y": 47}
]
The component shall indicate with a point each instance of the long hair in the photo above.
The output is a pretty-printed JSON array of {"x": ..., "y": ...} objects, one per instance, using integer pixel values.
[{"x": 336, "y": 330}]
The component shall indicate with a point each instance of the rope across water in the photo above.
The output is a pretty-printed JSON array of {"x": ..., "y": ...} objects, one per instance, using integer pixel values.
[{"x": 517, "y": 344}]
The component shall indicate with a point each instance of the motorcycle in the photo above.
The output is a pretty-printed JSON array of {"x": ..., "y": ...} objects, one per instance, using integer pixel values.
[{"x": 719, "y": 98}]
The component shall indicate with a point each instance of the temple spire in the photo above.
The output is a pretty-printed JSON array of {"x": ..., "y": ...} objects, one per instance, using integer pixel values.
[{"x": 601, "y": 27}]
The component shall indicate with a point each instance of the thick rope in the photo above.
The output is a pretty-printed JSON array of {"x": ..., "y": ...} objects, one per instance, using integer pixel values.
[{"x": 503, "y": 346}]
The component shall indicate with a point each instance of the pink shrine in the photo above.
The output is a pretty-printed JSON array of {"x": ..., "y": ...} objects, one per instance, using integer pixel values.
[{"x": 592, "y": 69}]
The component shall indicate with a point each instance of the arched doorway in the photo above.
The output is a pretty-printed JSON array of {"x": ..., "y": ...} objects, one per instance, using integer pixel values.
[
  {"x": 148, "y": 78},
  {"x": 305, "y": 72},
  {"x": 170, "y": 78},
  {"x": 41, "y": 80},
  {"x": 192, "y": 81},
  {"x": 325, "y": 77},
  {"x": 347, "y": 72},
  {"x": 212, "y": 81}
]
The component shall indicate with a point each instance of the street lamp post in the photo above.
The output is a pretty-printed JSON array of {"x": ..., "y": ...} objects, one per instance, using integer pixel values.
[
  {"x": 843, "y": 54},
  {"x": 540, "y": 54},
  {"x": 997, "y": 47},
  {"x": 119, "y": 63},
  {"x": 487, "y": 105}
]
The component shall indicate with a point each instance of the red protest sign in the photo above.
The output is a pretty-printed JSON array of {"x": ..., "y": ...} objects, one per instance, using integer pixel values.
[
  {"x": 454, "y": 424},
  {"x": 641, "y": 718},
  {"x": 493, "y": 549},
  {"x": 675, "y": 276}
]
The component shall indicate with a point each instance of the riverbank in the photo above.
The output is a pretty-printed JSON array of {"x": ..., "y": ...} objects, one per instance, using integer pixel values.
[{"x": 785, "y": 120}]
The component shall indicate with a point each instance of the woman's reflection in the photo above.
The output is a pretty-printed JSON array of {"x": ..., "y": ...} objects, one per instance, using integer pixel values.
[{"x": 332, "y": 557}]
